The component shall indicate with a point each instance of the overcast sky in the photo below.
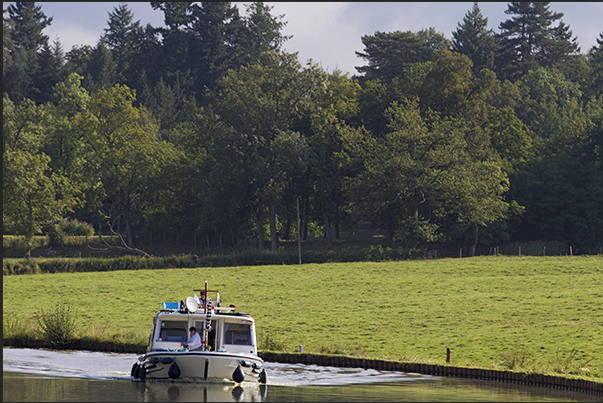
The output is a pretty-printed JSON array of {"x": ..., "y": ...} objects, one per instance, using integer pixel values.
[{"x": 329, "y": 33}]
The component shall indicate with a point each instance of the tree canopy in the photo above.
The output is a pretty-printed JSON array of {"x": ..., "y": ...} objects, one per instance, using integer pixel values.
[{"x": 205, "y": 128}]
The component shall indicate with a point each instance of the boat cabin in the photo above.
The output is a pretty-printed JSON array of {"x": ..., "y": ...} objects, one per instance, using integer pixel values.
[{"x": 229, "y": 331}]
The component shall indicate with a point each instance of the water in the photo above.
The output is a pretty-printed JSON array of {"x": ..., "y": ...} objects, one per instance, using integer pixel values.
[{"x": 39, "y": 375}]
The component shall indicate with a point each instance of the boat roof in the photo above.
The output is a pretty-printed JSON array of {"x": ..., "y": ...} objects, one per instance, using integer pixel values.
[{"x": 183, "y": 308}]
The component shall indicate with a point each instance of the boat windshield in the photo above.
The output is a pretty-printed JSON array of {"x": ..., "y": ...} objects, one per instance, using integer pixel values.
[{"x": 173, "y": 330}]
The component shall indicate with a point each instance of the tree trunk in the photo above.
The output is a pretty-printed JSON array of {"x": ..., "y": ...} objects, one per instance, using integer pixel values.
[
  {"x": 30, "y": 235},
  {"x": 336, "y": 225},
  {"x": 305, "y": 215},
  {"x": 129, "y": 231},
  {"x": 325, "y": 217},
  {"x": 474, "y": 245},
  {"x": 287, "y": 229},
  {"x": 260, "y": 224},
  {"x": 273, "y": 231}
]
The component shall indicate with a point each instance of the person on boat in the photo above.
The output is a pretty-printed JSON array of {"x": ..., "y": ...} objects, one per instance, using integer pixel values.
[
  {"x": 195, "y": 341},
  {"x": 202, "y": 300}
]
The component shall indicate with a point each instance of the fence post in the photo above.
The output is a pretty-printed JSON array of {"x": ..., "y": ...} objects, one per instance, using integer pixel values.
[{"x": 519, "y": 250}]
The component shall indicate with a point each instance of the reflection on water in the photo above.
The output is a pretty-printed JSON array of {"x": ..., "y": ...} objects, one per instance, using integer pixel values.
[{"x": 32, "y": 375}]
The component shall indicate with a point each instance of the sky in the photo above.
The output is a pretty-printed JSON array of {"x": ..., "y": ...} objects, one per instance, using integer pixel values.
[{"x": 328, "y": 33}]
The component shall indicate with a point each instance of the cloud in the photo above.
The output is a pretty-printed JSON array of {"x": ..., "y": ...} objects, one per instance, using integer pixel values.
[{"x": 70, "y": 34}]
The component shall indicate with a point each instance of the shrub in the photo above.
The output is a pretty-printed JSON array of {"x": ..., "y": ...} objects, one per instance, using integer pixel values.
[
  {"x": 23, "y": 266},
  {"x": 75, "y": 227},
  {"x": 56, "y": 236},
  {"x": 58, "y": 325}
]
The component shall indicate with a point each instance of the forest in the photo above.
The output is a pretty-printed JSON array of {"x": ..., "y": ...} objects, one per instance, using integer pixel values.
[{"x": 206, "y": 129}]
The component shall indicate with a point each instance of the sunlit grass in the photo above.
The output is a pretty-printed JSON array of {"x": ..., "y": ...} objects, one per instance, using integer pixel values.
[{"x": 524, "y": 313}]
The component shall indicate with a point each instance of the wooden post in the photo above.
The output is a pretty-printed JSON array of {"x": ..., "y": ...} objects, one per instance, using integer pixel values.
[
  {"x": 519, "y": 251},
  {"x": 298, "y": 234},
  {"x": 571, "y": 251},
  {"x": 447, "y": 356},
  {"x": 544, "y": 250},
  {"x": 461, "y": 252}
]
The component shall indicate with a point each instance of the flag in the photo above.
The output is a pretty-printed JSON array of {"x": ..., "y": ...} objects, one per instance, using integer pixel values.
[
  {"x": 218, "y": 300},
  {"x": 197, "y": 299}
]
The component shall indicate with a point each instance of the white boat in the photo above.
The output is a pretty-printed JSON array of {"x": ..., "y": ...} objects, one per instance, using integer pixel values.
[{"x": 228, "y": 351}]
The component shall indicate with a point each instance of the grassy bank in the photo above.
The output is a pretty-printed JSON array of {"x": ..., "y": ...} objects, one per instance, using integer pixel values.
[{"x": 541, "y": 314}]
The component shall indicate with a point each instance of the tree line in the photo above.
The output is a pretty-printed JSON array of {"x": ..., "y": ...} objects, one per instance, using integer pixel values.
[{"x": 206, "y": 128}]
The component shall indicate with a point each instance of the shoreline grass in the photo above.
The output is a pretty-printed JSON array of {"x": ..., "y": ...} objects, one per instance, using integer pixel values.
[{"x": 535, "y": 314}]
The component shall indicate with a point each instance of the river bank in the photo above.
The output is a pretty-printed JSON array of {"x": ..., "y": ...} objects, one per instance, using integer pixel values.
[{"x": 517, "y": 377}]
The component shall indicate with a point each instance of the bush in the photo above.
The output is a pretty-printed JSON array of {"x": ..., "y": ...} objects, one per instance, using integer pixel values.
[
  {"x": 56, "y": 236},
  {"x": 22, "y": 266},
  {"x": 56, "y": 232},
  {"x": 75, "y": 227},
  {"x": 58, "y": 325}
]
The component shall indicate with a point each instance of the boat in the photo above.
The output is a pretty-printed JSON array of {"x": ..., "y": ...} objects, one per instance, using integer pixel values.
[{"x": 228, "y": 352}]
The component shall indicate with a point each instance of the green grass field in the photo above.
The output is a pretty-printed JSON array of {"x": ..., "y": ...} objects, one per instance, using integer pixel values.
[{"x": 541, "y": 314}]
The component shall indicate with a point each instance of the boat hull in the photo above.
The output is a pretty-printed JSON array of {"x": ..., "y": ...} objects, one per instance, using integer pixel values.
[{"x": 199, "y": 365}]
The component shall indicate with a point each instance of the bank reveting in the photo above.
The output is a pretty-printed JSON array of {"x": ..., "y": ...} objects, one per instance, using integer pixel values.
[{"x": 578, "y": 385}]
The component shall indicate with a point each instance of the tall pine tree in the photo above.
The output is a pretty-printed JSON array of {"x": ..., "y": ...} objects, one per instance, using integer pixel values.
[
  {"x": 474, "y": 39},
  {"x": 528, "y": 40},
  {"x": 20, "y": 79}
]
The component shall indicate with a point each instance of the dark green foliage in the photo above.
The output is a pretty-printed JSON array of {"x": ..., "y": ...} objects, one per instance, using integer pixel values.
[
  {"x": 56, "y": 232},
  {"x": 474, "y": 39},
  {"x": 595, "y": 59},
  {"x": 389, "y": 54},
  {"x": 528, "y": 40},
  {"x": 156, "y": 154},
  {"x": 21, "y": 77}
]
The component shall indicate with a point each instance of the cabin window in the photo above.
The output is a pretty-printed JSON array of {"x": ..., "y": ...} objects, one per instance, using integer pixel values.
[
  {"x": 237, "y": 333},
  {"x": 173, "y": 331}
]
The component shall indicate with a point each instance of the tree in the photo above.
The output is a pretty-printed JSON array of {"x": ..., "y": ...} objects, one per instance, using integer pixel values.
[
  {"x": 208, "y": 184},
  {"x": 8, "y": 45},
  {"x": 32, "y": 195},
  {"x": 175, "y": 39},
  {"x": 29, "y": 22},
  {"x": 52, "y": 61},
  {"x": 121, "y": 38},
  {"x": 595, "y": 60},
  {"x": 126, "y": 152},
  {"x": 422, "y": 171},
  {"x": 216, "y": 32},
  {"x": 389, "y": 54},
  {"x": 263, "y": 31},
  {"x": 333, "y": 111},
  {"x": 259, "y": 101},
  {"x": 528, "y": 40},
  {"x": 101, "y": 70},
  {"x": 22, "y": 125},
  {"x": 474, "y": 39},
  {"x": 70, "y": 123},
  {"x": 77, "y": 59}
]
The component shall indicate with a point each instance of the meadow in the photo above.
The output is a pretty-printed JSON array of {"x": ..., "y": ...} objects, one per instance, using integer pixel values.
[{"x": 536, "y": 314}]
